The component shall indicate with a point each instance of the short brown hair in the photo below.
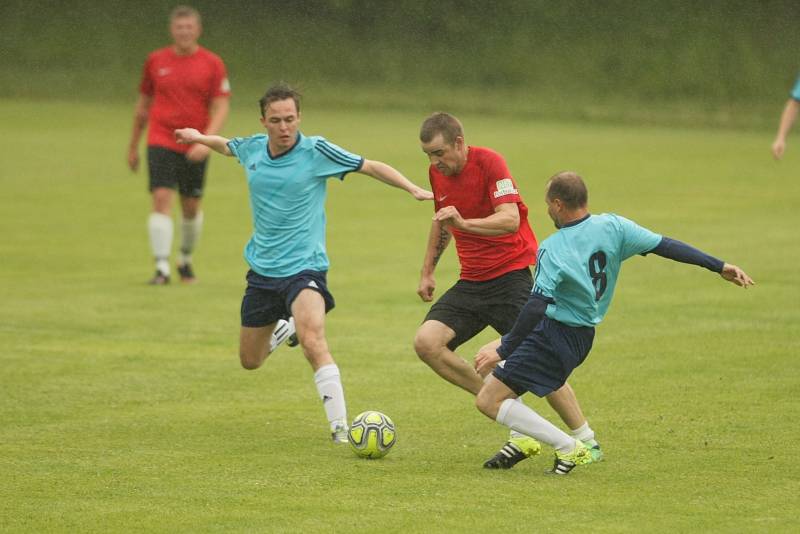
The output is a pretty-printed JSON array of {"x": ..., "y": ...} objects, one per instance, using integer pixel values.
[
  {"x": 184, "y": 11},
  {"x": 279, "y": 91},
  {"x": 569, "y": 188},
  {"x": 441, "y": 123}
]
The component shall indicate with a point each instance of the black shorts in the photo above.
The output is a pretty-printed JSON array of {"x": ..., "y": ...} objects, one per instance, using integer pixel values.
[
  {"x": 268, "y": 299},
  {"x": 544, "y": 360},
  {"x": 469, "y": 307},
  {"x": 172, "y": 169}
]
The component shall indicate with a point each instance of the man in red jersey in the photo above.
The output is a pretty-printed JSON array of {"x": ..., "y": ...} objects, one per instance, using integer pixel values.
[
  {"x": 183, "y": 85},
  {"x": 477, "y": 202}
]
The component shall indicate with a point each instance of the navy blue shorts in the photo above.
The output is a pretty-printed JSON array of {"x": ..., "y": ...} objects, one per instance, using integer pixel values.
[
  {"x": 544, "y": 360},
  {"x": 172, "y": 169},
  {"x": 268, "y": 299}
]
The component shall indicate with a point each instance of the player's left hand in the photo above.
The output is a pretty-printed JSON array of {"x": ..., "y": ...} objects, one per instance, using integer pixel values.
[
  {"x": 449, "y": 216},
  {"x": 422, "y": 194},
  {"x": 735, "y": 275},
  {"x": 487, "y": 359},
  {"x": 197, "y": 153}
]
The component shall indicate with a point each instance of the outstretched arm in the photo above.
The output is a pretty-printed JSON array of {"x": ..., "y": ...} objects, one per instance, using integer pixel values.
[
  {"x": 217, "y": 113},
  {"x": 679, "y": 251},
  {"x": 391, "y": 176},
  {"x": 787, "y": 120},
  {"x": 214, "y": 142}
]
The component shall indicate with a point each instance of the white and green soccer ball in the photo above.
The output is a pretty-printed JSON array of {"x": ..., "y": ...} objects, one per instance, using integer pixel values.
[{"x": 371, "y": 434}]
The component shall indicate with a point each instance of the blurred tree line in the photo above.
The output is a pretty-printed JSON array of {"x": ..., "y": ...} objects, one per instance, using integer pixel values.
[{"x": 719, "y": 58}]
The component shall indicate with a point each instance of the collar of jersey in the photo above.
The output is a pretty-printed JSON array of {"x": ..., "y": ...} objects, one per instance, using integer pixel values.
[
  {"x": 575, "y": 223},
  {"x": 282, "y": 154}
]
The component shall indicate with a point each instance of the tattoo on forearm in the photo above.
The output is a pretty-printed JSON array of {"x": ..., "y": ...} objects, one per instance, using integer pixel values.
[{"x": 444, "y": 237}]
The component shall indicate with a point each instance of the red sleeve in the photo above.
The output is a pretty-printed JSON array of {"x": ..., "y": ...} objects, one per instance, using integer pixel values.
[
  {"x": 146, "y": 85},
  {"x": 501, "y": 186},
  {"x": 220, "y": 85}
]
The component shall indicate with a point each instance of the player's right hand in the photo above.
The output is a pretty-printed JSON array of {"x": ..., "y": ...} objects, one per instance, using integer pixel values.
[
  {"x": 487, "y": 358},
  {"x": 133, "y": 159},
  {"x": 778, "y": 148},
  {"x": 426, "y": 287}
]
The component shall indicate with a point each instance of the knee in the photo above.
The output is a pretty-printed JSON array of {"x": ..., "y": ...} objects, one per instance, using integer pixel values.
[
  {"x": 486, "y": 404},
  {"x": 249, "y": 361},
  {"x": 425, "y": 347}
]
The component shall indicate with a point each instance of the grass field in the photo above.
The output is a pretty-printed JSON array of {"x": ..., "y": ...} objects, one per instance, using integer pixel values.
[{"x": 124, "y": 408}]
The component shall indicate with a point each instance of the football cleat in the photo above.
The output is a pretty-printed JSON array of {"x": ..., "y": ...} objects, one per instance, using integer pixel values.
[
  {"x": 160, "y": 279},
  {"x": 283, "y": 331},
  {"x": 187, "y": 274},
  {"x": 339, "y": 433},
  {"x": 292, "y": 341},
  {"x": 564, "y": 463},
  {"x": 514, "y": 451},
  {"x": 595, "y": 450}
]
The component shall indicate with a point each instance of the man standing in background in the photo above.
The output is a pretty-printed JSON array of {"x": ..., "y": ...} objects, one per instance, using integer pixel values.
[{"x": 182, "y": 85}]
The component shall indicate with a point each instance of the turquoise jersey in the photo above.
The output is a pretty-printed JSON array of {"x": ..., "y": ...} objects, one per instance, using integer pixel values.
[
  {"x": 287, "y": 198},
  {"x": 578, "y": 266}
]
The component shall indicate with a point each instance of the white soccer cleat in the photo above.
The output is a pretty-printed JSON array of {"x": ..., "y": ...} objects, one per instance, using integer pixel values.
[{"x": 283, "y": 330}]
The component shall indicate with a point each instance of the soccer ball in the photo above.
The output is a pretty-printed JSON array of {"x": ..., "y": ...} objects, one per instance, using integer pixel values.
[{"x": 371, "y": 434}]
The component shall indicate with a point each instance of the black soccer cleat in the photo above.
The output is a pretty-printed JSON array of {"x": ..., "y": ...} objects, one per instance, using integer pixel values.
[
  {"x": 514, "y": 451},
  {"x": 187, "y": 274},
  {"x": 292, "y": 340},
  {"x": 159, "y": 279}
]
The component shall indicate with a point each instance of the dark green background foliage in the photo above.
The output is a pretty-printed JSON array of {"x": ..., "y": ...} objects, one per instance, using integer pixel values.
[{"x": 725, "y": 62}]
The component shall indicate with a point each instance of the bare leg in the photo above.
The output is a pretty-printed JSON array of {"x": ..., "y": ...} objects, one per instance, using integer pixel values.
[
  {"x": 254, "y": 345},
  {"x": 565, "y": 403},
  {"x": 430, "y": 344}
]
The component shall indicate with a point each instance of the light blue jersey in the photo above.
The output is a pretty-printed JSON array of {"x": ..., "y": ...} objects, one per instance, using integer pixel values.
[
  {"x": 577, "y": 267},
  {"x": 287, "y": 198},
  {"x": 796, "y": 90}
]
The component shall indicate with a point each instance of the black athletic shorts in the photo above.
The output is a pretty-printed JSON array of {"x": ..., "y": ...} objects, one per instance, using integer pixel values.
[
  {"x": 268, "y": 299},
  {"x": 172, "y": 169},
  {"x": 544, "y": 359},
  {"x": 469, "y": 307}
]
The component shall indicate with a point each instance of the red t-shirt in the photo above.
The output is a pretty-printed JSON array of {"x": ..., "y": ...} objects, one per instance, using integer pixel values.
[
  {"x": 182, "y": 88},
  {"x": 484, "y": 183}
]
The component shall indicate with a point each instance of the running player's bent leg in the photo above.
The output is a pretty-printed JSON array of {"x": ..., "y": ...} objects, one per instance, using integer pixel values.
[
  {"x": 430, "y": 344},
  {"x": 254, "y": 345},
  {"x": 308, "y": 310}
]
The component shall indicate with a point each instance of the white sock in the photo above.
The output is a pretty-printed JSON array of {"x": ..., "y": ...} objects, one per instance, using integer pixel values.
[
  {"x": 190, "y": 234},
  {"x": 521, "y": 418},
  {"x": 159, "y": 226},
  {"x": 513, "y": 433},
  {"x": 329, "y": 386},
  {"x": 584, "y": 433}
]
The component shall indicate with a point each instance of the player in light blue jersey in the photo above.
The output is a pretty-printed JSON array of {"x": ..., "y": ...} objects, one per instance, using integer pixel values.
[
  {"x": 575, "y": 278},
  {"x": 789, "y": 115},
  {"x": 287, "y": 175}
]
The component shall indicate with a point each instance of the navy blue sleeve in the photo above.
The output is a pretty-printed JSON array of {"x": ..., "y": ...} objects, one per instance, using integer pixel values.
[
  {"x": 528, "y": 318},
  {"x": 679, "y": 251}
]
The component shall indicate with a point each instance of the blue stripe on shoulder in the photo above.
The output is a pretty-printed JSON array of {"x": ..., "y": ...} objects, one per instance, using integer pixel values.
[{"x": 337, "y": 156}]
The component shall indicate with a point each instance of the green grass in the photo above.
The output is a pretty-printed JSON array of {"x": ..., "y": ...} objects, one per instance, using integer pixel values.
[{"x": 124, "y": 407}]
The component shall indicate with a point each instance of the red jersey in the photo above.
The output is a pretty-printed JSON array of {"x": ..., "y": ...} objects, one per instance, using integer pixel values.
[
  {"x": 182, "y": 88},
  {"x": 484, "y": 183}
]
